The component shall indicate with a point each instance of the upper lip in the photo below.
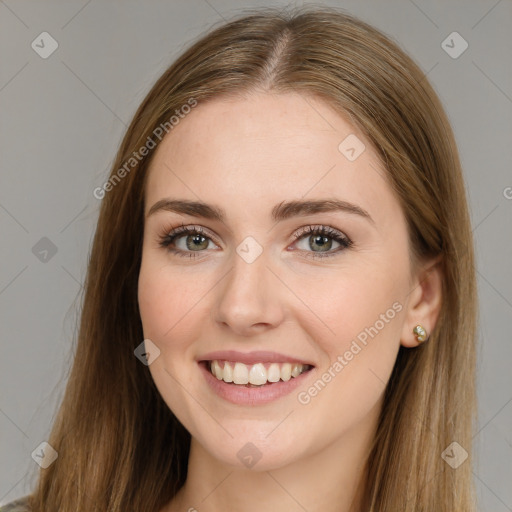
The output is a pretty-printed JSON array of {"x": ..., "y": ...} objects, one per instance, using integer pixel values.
[{"x": 251, "y": 358}]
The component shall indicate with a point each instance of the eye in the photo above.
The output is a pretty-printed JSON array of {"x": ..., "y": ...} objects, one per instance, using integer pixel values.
[
  {"x": 185, "y": 241},
  {"x": 195, "y": 240},
  {"x": 321, "y": 238}
]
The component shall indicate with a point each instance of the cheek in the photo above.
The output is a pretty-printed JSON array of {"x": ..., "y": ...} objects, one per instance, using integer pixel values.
[
  {"x": 363, "y": 313},
  {"x": 168, "y": 302},
  {"x": 358, "y": 306}
]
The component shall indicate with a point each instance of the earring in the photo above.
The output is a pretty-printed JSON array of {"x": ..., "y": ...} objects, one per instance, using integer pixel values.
[{"x": 420, "y": 333}]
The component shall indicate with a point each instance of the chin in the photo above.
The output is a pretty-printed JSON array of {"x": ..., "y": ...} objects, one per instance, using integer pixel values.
[{"x": 255, "y": 451}]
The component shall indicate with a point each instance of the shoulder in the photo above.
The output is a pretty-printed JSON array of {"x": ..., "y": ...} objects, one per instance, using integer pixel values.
[{"x": 20, "y": 505}]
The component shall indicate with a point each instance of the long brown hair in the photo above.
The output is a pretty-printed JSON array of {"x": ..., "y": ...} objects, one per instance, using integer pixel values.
[{"x": 120, "y": 447}]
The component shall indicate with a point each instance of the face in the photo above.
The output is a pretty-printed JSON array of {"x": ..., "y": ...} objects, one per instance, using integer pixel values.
[{"x": 272, "y": 284}]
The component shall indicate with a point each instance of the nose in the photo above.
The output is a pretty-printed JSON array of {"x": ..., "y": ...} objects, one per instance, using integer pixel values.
[{"x": 250, "y": 298}]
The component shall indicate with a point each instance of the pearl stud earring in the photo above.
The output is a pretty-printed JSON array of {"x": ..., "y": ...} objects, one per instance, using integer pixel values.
[{"x": 420, "y": 333}]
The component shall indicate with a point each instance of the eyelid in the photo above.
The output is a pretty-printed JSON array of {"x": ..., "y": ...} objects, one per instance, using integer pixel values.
[
  {"x": 327, "y": 231},
  {"x": 183, "y": 229}
]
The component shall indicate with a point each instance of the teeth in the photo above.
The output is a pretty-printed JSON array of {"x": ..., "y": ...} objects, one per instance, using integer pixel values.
[
  {"x": 273, "y": 373},
  {"x": 217, "y": 370},
  {"x": 295, "y": 370},
  {"x": 256, "y": 374},
  {"x": 286, "y": 371},
  {"x": 227, "y": 373},
  {"x": 240, "y": 374}
]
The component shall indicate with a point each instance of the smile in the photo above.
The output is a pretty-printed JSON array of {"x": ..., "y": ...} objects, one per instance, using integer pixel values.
[
  {"x": 276, "y": 380},
  {"x": 258, "y": 374}
]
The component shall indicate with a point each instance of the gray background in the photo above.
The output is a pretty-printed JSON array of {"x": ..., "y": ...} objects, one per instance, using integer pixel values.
[{"x": 63, "y": 117}]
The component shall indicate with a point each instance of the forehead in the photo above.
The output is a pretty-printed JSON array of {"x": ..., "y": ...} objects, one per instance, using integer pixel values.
[{"x": 250, "y": 153}]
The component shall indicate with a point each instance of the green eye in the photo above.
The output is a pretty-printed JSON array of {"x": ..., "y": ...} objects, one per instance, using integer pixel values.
[{"x": 197, "y": 241}]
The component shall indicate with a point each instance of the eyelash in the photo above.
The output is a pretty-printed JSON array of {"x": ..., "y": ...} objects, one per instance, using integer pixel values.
[{"x": 169, "y": 237}]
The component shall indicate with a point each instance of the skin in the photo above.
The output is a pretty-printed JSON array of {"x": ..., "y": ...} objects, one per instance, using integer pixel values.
[{"x": 227, "y": 152}]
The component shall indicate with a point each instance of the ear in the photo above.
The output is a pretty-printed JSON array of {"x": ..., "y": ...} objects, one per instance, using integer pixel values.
[{"x": 424, "y": 302}]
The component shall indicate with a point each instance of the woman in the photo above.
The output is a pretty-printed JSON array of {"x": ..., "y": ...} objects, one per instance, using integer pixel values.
[{"x": 280, "y": 302}]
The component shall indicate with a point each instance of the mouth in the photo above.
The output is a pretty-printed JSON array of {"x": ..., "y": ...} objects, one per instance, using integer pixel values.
[{"x": 256, "y": 375}]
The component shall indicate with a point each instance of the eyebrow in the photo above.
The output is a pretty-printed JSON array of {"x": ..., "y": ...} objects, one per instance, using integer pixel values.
[{"x": 282, "y": 211}]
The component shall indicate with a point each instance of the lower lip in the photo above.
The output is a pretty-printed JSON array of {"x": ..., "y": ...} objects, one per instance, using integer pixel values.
[{"x": 242, "y": 395}]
